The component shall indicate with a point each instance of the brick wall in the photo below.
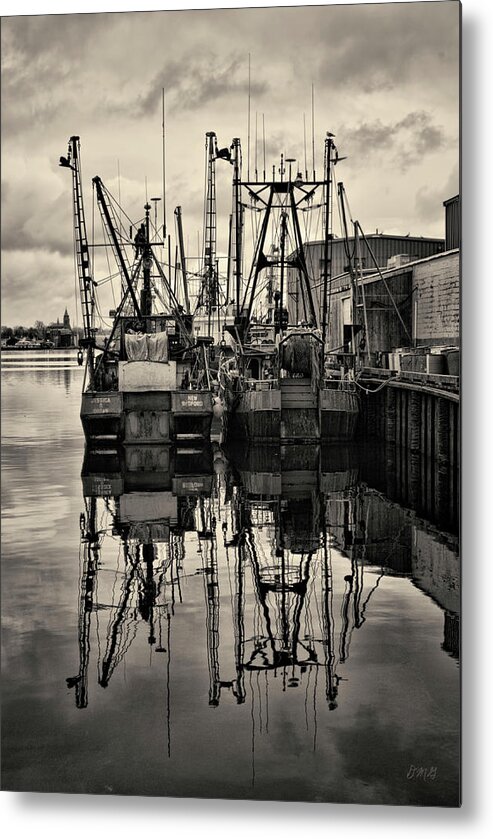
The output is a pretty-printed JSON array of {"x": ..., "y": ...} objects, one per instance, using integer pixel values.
[{"x": 436, "y": 313}]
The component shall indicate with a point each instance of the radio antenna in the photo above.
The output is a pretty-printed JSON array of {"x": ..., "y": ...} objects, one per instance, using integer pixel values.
[
  {"x": 164, "y": 172},
  {"x": 304, "y": 143},
  {"x": 248, "y": 124},
  {"x": 313, "y": 130},
  {"x": 263, "y": 133}
]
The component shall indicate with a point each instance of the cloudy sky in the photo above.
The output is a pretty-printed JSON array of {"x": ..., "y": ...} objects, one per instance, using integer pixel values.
[{"x": 386, "y": 84}]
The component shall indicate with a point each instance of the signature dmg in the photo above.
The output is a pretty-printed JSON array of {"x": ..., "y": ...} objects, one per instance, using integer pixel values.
[{"x": 423, "y": 773}]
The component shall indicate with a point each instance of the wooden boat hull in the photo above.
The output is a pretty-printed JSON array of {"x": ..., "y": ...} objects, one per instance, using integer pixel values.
[
  {"x": 339, "y": 412},
  {"x": 256, "y": 417},
  {"x": 294, "y": 412}
]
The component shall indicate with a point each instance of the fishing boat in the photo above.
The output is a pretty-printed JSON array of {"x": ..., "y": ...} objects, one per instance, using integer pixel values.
[
  {"x": 148, "y": 380},
  {"x": 284, "y": 381}
]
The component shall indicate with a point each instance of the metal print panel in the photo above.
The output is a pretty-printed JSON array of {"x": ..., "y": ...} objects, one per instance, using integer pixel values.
[{"x": 230, "y": 408}]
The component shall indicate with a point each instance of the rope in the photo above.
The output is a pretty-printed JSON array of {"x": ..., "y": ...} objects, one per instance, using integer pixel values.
[
  {"x": 376, "y": 389},
  {"x": 383, "y": 280}
]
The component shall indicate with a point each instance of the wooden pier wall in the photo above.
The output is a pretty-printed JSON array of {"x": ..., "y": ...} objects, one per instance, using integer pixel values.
[{"x": 422, "y": 423}]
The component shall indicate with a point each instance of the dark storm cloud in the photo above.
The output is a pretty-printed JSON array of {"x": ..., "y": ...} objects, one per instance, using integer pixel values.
[
  {"x": 38, "y": 59},
  {"x": 408, "y": 140},
  {"x": 198, "y": 80},
  {"x": 53, "y": 35},
  {"x": 378, "y": 47}
]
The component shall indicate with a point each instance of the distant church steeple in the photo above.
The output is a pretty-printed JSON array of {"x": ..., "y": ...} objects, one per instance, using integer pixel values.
[{"x": 66, "y": 320}]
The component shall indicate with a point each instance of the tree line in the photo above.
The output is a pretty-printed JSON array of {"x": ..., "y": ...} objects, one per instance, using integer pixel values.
[{"x": 35, "y": 332}]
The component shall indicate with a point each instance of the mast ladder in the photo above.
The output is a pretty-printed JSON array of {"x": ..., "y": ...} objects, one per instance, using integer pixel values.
[{"x": 84, "y": 273}]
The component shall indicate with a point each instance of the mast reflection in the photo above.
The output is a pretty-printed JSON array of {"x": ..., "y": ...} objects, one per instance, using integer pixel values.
[
  {"x": 283, "y": 538},
  {"x": 145, "y": 499},
  {"x": 293, "y": 546}
]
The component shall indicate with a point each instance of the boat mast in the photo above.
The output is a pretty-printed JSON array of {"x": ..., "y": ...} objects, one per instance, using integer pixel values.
[
  {"x": 183, "y": 264},
  {"x": 362, "y": 286},
  {"x": 145, "y": 293},
  {"x": 329, "y": 145},
  {"x": 238, "y": 221},
  {"x": 228, "y": 280},
  {"x": 164, "y": 166},
  {"x": 283, "y": 234},
  {"x": 283, "y": 195},
  {"x": 210, "y": 267},
  {"x": 86, "y": 284}
]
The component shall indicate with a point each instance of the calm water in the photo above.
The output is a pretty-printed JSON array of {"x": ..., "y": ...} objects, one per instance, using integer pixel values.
[{"x": 261, "y": 625}]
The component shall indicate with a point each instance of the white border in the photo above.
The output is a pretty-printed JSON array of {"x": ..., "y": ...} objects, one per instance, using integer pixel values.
[{"x": 50, "y": 815}]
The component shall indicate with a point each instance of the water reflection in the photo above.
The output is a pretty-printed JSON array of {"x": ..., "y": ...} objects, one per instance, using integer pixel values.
[
  {"x": 292, "y": 545},
  {"x": 145, "y": 499},
  {"x": 269, "y": 624}
]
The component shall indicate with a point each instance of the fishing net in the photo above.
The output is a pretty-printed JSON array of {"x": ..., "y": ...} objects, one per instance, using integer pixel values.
[{"x": 301, "y": 357}]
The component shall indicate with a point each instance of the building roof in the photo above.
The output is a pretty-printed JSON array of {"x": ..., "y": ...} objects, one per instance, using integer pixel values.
[
  {"x": 399, "y": 269},
  {"x": 379, "y": 236},
  {"x": 59, "y": 327}
]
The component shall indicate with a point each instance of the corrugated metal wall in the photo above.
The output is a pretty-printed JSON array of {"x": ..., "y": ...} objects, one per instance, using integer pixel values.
[
  {"x": 383, "y": 248},
  {"x": 452, "y": 223}
]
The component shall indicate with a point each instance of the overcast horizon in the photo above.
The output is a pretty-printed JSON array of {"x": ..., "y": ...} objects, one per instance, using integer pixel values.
[{"x": 386, "y": 80}]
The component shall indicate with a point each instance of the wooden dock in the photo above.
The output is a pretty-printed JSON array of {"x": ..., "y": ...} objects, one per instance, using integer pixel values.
[{"x": 419, "y": 414}]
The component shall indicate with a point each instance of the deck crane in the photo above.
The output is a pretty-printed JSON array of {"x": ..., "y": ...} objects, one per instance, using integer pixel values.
[
  {"x": 86, "y": 283},
  {"x": 142, "y": 306},
  {"x": 130, "y": 275}
]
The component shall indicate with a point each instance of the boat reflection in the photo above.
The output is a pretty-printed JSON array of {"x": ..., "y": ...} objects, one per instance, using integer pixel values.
[
  {"x": 293, "y": 545},
  {"x": 147, "y": 498},
  {"x": 284, "y": 541}
]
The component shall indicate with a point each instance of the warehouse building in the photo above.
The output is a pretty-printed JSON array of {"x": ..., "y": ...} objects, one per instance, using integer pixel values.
[{"x": 421, "y": 274}]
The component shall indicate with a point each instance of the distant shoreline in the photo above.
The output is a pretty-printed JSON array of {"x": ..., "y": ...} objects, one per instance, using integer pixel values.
[{"x": 15, "y": 348}]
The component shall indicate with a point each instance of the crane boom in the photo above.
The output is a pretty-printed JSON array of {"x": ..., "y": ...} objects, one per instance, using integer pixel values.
[{"x": 108, "y": 218}]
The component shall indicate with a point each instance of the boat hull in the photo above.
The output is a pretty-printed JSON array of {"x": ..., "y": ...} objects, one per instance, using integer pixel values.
[
  {"x": 294, "y": 413},
  {"x": 150, "y": 417}
]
